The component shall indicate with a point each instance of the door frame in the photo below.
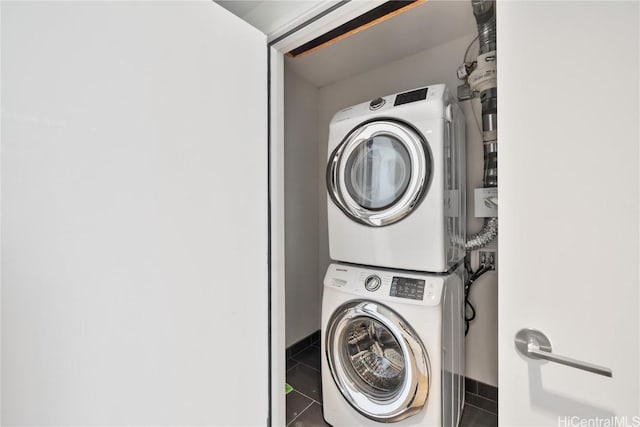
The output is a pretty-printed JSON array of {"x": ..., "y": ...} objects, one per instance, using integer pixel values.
[{"x": 313, "y": 23}]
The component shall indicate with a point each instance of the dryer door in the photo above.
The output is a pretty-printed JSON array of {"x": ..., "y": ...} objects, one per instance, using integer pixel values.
[
  {"x": 379, "y": 173},
  {"x": 377, "y": 361}
]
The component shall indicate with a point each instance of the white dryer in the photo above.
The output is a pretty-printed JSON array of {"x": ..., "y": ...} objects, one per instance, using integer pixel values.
[
  {"x": 392, "y": 347},
  {"x": 396, "y": 182}
]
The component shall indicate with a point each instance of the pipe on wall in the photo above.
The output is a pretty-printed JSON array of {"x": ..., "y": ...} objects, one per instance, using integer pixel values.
[{"x": 482, "y": 81}]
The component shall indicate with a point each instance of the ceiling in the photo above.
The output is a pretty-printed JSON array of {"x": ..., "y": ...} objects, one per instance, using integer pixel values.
[{"x": 423, "y": 27}]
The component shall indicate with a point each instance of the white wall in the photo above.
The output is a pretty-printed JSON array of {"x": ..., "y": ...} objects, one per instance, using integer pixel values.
[
  {"x": 134, "y": 215},
  {"x": 301, "y": 208},
  {"x": 437, "y": 65}
]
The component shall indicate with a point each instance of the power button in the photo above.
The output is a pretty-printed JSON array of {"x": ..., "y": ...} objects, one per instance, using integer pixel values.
[
  {"x": 372, "y": 283},
  {"x": 376, "y": 103}
]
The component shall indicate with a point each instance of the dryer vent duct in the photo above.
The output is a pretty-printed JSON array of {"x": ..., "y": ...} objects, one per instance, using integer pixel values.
[
  {"x": 483, "y": 83},
  {"x": 483, "y": 80}
]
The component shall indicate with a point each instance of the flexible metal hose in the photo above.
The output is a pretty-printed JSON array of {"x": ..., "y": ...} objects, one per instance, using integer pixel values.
[
  {"x": 484, "y": 11},
  {"x": 485, "y": 236}
]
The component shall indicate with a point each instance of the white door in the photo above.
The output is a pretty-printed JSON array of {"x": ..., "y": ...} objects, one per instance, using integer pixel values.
[
  {"x": 569, "y": 196},
  {"x": 134, "y": 215}
]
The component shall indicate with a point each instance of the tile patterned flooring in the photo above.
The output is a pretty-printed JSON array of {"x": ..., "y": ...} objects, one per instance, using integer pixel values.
[{"x": 304, "y": 403}]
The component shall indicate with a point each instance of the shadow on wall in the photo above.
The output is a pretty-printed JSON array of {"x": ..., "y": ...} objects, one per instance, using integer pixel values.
[{"x": 557, "y": 404}]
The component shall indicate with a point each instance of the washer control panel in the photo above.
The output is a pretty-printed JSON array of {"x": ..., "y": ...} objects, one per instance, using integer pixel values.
[
  {"x": 385, "y": 284},
  {"x": 405, "y": 287},
  {"x": 372, "y": 283}
]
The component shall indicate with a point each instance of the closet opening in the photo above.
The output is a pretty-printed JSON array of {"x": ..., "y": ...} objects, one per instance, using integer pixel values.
[{"x": 420, "y": 48}]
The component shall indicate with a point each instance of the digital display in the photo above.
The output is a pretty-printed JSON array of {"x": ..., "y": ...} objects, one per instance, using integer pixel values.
[
  {"x": 404, "y": 287},
  {"x": 413, "y": 96}
]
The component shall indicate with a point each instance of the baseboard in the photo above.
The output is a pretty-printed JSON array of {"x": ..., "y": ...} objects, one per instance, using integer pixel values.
[
  {"x": 482, "y": 396},
  {"x": 303, "y": 343}
]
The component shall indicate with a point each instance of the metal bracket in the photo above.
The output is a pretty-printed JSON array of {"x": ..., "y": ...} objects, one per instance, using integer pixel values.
[{"x": 464, "y": 92}]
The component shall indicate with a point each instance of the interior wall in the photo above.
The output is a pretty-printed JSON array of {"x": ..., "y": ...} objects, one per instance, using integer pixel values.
[
  {"x": 130, "y": 236},
  {"x": 301, "y": 208},
  {"x": 436, "y": 65}
]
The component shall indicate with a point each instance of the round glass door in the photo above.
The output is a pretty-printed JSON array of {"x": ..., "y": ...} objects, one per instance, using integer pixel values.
[
  {"x": 373, "y": 358},
  {"x": 377, "y": 361},
  {"x": 379, "y": 173}
]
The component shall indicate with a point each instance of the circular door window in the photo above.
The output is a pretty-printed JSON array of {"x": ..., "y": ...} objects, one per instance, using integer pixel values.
[
  {"x": 379, "y": 173},
  {"x": 377, "y": 361},
  {"x": 373, "y": 358}
]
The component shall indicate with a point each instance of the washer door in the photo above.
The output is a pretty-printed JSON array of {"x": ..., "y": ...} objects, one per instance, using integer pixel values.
[
  {"x": 377, "y": 361},
  {"x": 379, "y": 173}
]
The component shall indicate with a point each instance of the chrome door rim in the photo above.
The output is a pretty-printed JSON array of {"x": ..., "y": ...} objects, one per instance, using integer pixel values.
[
  {"x": 414, "y": 391},
  {"x": 418, "y": 182}
]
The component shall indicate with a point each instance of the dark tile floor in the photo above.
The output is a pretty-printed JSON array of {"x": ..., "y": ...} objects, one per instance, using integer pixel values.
[{"x": 304, "y": 403}]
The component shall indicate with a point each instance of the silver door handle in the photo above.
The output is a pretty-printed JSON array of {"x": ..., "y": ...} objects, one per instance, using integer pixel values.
[{"x": 535, "y": 345}]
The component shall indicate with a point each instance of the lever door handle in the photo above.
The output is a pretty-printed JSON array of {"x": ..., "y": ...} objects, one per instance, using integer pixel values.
[{"x": 535, "y": 345}]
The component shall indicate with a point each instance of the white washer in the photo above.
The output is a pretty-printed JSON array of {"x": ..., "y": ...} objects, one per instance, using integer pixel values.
[
  {"x": 392, "y": 347},
  {"x": 396, "y": 182}
]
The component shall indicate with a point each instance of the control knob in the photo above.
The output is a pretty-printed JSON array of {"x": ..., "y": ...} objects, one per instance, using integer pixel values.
[{"x": 372, "y": 283}]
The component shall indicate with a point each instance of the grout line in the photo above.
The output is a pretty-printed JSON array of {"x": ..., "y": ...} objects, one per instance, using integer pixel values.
[
  {"x": 306, "y": 340},
  {"x": 305, "y": 349},
  {"x": 465, "y": 401},
  {"x": 319, "y": 403},
  {"x": 298, "y": 362},
  {"x": 475, "y": 407},
  {"x": 293, "y": 357},
  {"x": 301, "y": 412},
  {"x": 308, "y": 366},
  {"x": 475, "y": 394}
]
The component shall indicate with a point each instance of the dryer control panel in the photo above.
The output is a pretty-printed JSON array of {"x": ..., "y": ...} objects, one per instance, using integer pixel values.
[
  {"x": 413, "y": 96},
  {"x": 432, "y": 98}
]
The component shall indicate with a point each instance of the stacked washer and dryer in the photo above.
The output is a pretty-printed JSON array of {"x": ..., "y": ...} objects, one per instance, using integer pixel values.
[{"x": 392, "y": 306}]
